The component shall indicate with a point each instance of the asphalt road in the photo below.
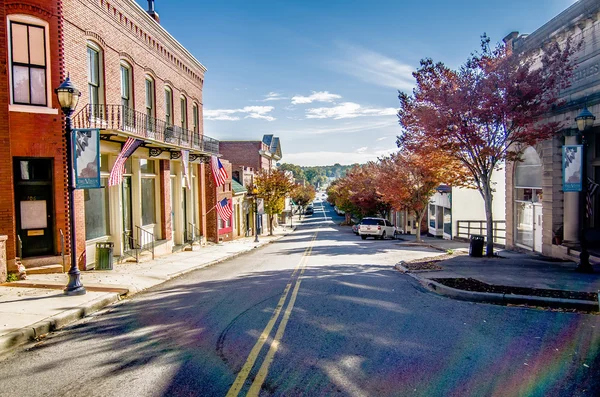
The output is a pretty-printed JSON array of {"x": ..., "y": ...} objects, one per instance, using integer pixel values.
[{"x": 318, "y": 313}]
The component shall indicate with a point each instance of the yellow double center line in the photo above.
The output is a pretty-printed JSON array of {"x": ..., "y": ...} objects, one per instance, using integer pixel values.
[{"x": 240, "y": 380}]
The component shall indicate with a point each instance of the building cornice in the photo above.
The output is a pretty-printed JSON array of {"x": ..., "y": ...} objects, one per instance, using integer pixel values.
[{"x": 166, "y": 35}]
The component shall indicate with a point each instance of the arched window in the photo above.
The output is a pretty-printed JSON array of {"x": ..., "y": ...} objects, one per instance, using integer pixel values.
[
  {"x": 184, "y": 118},
  {"x": 95, "y": 78},
  {"x": 168, "y": 106}
]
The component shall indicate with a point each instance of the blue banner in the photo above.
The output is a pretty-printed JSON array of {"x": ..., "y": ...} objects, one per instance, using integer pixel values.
[
  {"x": 86, "y": 158},
  {"x": 572, "y": 167}
]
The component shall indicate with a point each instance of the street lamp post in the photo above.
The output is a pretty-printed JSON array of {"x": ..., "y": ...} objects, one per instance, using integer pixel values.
[
  {"x": 68, "y": 97},
  {"x": 585, "y": 121}
]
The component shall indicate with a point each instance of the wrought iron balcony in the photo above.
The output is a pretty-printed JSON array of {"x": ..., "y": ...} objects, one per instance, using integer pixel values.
[{"x": 123, "y": 118}]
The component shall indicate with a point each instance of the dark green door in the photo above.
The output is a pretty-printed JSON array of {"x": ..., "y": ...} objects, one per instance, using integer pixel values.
[{"x": 34, "y": 205}]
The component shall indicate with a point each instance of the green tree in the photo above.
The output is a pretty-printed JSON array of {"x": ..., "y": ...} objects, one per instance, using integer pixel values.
[{"x": 296, "y": 170}]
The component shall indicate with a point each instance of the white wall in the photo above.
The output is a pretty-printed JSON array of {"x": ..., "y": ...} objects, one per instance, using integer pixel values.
[{"x": 468, "y": 205}]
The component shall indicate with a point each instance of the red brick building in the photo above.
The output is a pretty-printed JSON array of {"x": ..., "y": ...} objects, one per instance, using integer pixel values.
[
  {"x": 33, "y": 200},
  {"x": 255, "y": 156},
  {"x": 138, "y": 82}
]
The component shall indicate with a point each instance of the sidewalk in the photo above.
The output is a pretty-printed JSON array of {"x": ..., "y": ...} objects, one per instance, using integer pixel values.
[
  {"x": 33, "y": 307},
  {"x": 510, "y": 269}
]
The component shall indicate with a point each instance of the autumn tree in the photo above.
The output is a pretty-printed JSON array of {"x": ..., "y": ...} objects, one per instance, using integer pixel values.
[
  {"x": 302, "y": 195},
  {"x": 488, "y": 110},
  {"x": 361, "y": 182},
  {"x": 407, "y": 180},
  {"x": 273, "y": 187},
  {"x": 338, "y": 194}
]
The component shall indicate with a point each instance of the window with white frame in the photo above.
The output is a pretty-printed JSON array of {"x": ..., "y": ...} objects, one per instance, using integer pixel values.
[
  {"x": 168, "y": 106},
  {"x": 95, "y": 85},
  {"x": 196, "y": 117},
  {"x": 150, "y": 111},
  {"x": 126, "y": 85},
  {"x": 184, "y": 120},
  {"x": 29, "y": 61}
]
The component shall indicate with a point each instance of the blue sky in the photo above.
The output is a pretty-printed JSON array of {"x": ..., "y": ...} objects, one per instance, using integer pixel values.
[{"x": 323, "y": 75}]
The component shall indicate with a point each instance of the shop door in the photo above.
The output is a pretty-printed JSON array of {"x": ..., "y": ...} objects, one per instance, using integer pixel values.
[
  {"x": 34, "y": 206},
  {"x": 537, "y": 228},
  {"x": 127, "y": 216}
]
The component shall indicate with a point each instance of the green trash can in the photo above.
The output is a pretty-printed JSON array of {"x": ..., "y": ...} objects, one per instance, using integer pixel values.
[
  {"x": 104, "y": 256},
  {"x": 476, "y": 247}
]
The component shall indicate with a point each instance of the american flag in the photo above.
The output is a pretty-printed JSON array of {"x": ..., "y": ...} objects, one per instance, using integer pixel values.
[
  {"x": 591, "y": 190},
  {"x": 116, "y": 174},
  {"x": 218, "y": 171},
  {"x": 224, "y": 209}
]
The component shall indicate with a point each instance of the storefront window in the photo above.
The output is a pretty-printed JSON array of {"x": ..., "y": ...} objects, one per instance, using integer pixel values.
[
  {"x": 148, "y": 208},
  {"x": 96, "y": 212},
  {"x": 528, "y": 192},
  {"x": 448, "y": 221},
  {"x": 432, "y": 216}
]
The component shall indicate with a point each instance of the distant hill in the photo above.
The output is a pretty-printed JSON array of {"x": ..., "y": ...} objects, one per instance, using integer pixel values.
[{"x": 317, "y": 175}]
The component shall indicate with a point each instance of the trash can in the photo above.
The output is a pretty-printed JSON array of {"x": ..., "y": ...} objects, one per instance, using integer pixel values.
[
  {"x": 104, "y": 256},
  {"x": 476, "y": 247}
]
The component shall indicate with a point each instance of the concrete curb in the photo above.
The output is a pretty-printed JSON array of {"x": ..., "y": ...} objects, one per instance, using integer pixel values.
[
  {"x": 54, "y": 323},
  {"x": 14, "y": 339},
  {"x": 501, "y": 299}
]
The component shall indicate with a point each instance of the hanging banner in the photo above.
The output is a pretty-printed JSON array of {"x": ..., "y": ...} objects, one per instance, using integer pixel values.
[
  {"x": 572, "y": 167},
  {"x": 260, "y": 206},
  {"x": 86, "y": 158},
  {"x": 185, "y": 159}
]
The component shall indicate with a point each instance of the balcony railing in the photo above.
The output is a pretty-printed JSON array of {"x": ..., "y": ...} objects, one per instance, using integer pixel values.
[{"x": 122, "y": 118}]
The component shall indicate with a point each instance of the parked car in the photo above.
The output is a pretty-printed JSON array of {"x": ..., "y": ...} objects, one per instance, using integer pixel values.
[
  {"x": 309, "y": 210},
  {"x": 355, "y": 228},
  {"x": 377, "y": 228}
]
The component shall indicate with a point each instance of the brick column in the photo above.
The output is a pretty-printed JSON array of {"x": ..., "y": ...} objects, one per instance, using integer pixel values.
[{"x": 210, "y": 202}]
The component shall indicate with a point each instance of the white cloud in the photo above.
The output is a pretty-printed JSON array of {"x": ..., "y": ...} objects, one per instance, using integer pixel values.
[
  {"x": 249, "y": 112},
  {"x": 348, "y": 110},
  {"x": 351, "y": 127},
  {"x": 321, "y": 96},
  {"x": 329, "y": 158},
  {"x": 362, "y": 149},
  {"x": 375, "y": 68},
  {"x": 381, "y": 138},
  {"x": 272, "y": 96}
]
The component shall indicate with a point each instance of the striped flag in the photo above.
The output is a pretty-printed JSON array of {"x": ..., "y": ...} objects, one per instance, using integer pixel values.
[
  {"x": 218, "y": 171},
  {"x": 224, "y": 209},
  {"x": 591, "y": 190},
  {"x": 116, "y": 174}
]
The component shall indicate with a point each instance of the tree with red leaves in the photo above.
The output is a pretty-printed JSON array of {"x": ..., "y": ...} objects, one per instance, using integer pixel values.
[
  {"x": 488, "y": 110},
  {"x": 407, "y": 180}
]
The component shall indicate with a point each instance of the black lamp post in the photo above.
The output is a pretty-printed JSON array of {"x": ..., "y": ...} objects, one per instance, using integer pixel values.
[
  {"x": 68, "y": 97},
  {"x": 255, "y": 194},
  {"x": 585, "y": 121}
]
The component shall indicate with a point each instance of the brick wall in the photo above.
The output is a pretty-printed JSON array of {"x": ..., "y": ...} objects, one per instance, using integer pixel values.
[
  {"x": 242, "y": 153},
  {"x": 33, "y": 134},
  {"x": 125, "y": 33},
  {"x": 7, "y": 224}
]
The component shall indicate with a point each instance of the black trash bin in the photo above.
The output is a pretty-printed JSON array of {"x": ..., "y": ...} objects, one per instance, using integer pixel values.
[
  {"x": 104, "y": 256},
  {"x": 476, "y": 247}
]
